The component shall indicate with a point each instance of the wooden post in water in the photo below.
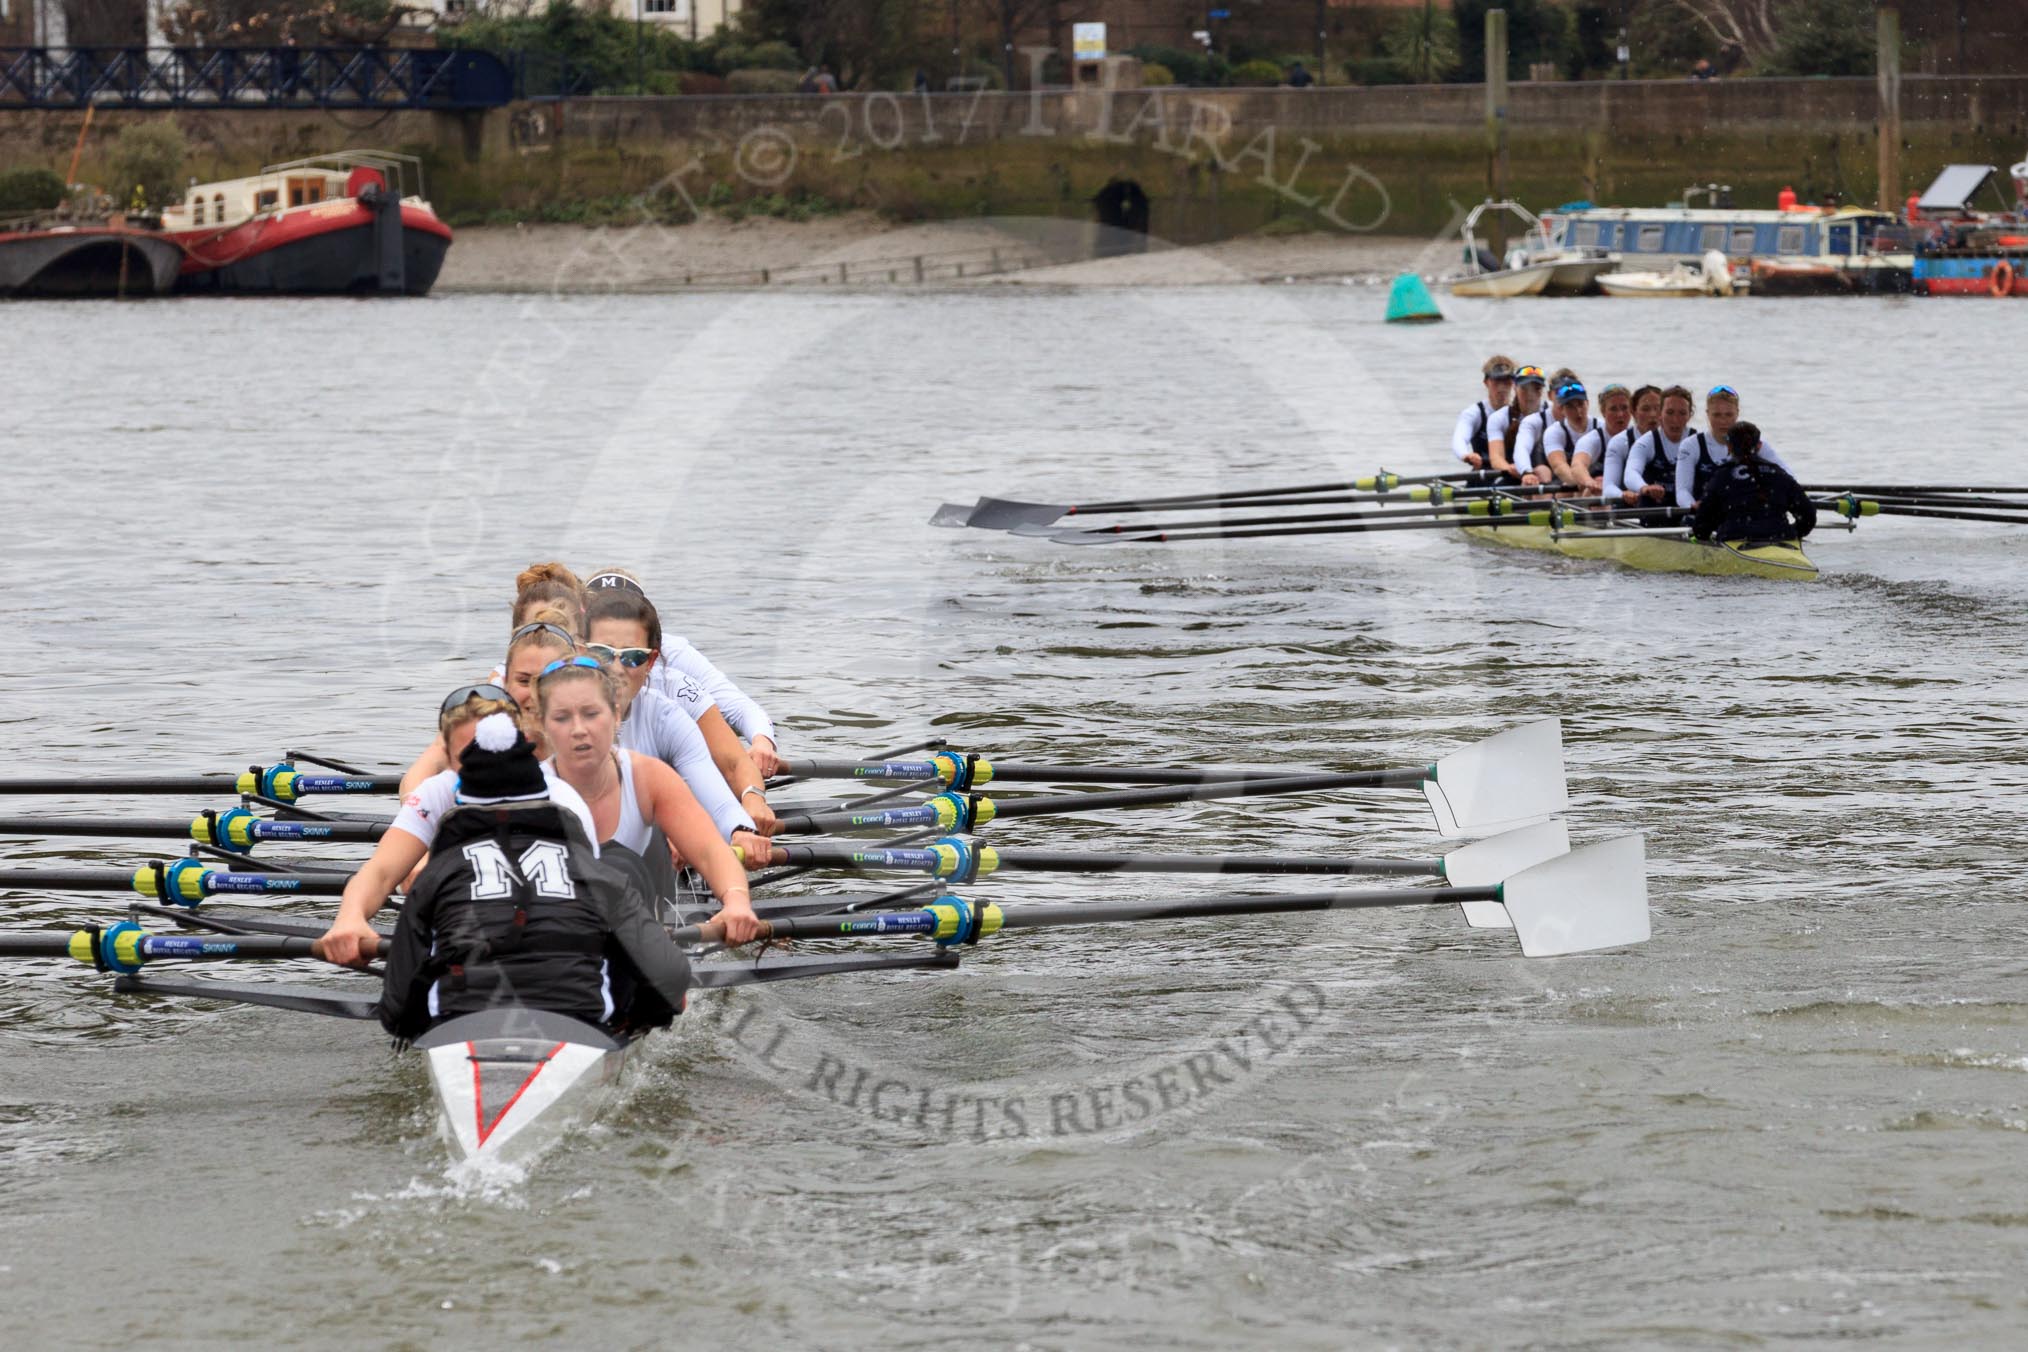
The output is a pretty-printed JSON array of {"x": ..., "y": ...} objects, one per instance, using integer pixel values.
[
  {"x": 1496, "y": 122},
  {"x": 1887, "y": 64}
]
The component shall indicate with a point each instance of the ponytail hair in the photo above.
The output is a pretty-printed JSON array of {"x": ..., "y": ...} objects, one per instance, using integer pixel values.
[
  {"x": 552, "y": 585},
  {"x": 1744, "y": 442}
]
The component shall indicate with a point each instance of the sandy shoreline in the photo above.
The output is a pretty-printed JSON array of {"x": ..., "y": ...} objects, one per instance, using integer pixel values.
[{"x": 860, "y": 249}]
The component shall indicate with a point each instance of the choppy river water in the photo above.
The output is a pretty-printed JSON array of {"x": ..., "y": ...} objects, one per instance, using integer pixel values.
[{"x": 1801, "y": 1110}]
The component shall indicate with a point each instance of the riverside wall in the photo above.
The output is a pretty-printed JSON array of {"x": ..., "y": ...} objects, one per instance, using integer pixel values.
[{"x": 1213, "y": 162}]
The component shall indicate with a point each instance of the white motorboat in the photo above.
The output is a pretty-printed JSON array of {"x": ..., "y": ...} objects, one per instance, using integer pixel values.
[
  {"x": 1714, "y": 277},
  {"x": 1536, "y": 264}
]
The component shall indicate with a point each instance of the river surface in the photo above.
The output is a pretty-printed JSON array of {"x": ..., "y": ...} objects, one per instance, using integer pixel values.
[{"x": 1801, "y": 1111}]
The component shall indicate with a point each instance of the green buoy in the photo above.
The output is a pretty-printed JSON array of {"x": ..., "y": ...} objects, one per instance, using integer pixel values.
[{"x": 1411, "y": 303}]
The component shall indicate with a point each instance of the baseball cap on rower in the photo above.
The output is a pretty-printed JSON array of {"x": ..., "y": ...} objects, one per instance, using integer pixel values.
[
  {"x": 1530, "y": 375},
  {"x": 500, "y": 766},
  {"x": 1570, "y": 392}
]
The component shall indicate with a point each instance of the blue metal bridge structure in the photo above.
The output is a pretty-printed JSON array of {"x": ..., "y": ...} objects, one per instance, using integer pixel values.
[{"x": 254, "y": 78}]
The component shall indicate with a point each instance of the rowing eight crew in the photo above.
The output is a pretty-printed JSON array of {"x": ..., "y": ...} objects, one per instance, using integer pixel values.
[
  {"x": 624, "y": 758},
  {"x": 1642, "y": 451}
]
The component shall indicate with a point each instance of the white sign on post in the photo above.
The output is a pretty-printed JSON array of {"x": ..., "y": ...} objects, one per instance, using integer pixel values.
[{"x": 1088, "y": 41}]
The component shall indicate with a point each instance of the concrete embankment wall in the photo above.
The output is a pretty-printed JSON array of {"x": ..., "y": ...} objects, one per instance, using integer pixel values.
[{"x": 1214, "y": 162}]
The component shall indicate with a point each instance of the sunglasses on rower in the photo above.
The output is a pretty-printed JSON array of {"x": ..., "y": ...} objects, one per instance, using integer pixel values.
[
  {"x": 565, "y": 663},
  {"x": 543, "y": 625},
  {"x": 484, "y": 690},
  {"x": 629, "y": 658}
]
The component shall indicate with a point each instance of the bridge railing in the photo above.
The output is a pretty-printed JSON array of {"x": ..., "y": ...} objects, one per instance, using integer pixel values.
[{"x": 252, "y": 77}]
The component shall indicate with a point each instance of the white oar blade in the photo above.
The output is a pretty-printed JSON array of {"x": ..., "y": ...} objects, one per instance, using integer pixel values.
[
  {"x": 1511, "y": 780},
  {"x": 952, "y": 515},
  {"x": 1594, "y": 897},
  {"x": 1484, "y": 863}
]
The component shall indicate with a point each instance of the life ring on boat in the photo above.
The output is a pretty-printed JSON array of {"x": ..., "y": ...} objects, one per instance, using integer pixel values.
[{"x": 2001, "y": 283}]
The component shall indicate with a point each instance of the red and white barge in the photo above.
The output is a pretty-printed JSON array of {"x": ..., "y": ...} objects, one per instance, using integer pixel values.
[{"x": 332, "y": 224}]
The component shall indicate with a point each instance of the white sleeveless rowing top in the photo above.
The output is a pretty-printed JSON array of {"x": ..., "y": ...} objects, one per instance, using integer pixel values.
[{"x": 632, "y": 830}]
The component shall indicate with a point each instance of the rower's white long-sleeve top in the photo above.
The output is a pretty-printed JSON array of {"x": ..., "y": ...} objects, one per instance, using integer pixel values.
[
  {"x": 680, "y": 660},
  {"x": 656, "y": 727},
  {"x": 1650, "y": 444},
  {"x": 1557, "y": 437},
  {"x": 1607, "y": 455},
  {"x": 1686, "y": 467},
  {"x": 1468, "y": 426}
]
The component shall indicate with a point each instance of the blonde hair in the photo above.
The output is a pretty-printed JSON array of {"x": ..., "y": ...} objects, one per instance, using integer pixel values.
[
  {"x": 551, "y": 584},
  {"x": 472, "y": 710},
  {"x": 1495, "y": 363},
  {"x": 611, "y": 685}
]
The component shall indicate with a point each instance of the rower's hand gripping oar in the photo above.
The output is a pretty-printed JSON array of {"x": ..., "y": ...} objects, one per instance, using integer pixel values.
[{"x": 1591, "y": 898}]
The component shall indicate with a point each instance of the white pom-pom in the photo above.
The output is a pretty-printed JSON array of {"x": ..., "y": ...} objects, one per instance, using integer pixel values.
[{"x": 496, "y": 732}]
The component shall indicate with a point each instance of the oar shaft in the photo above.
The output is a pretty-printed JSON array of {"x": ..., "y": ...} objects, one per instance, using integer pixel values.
[
  {"x": 998, "y": 773},
  {"x": 148, "y": 828},
  {"x": 1368, "y": 484},
  {"x": 1095, "y": 861},
  {"x": 298, "y": 785},
  {"x": 1909, "y": 488},
  {"x": 1534, "y": 518},
  {"x": 187, "y": 884},
  {"x": 152, "y": 947},
  {"x": 938, "y": 811},
  {"x": 937, "y": 919},
  {"x": 1938, "y": 513}
]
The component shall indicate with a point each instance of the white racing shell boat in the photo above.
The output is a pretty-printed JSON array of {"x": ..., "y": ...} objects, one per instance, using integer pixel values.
[{"x": 510, "y": 1081}]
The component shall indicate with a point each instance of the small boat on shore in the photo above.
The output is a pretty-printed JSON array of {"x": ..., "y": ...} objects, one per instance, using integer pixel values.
[
  {"x": 46, "y": 255},
  {"x": 1535, "y": 266},
  {"x": 1711, "y": 277},
  {"x": 333, "y": 224}
]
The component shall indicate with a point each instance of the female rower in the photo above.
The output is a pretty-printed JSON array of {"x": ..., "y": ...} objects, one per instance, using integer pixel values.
[
  {"x": 1721, "y": 412},
  {"x": 349, "y": 942},
  {"x": 623, "y": 627},
  {"x": 686, "y": 675},
  {"x": 1647, "y": 416},
  {"x": 1751, "y": 497},
  {"x": 549, "y": 633},
  {"x": 1616, "y": 412},
  {"x": 578, "y": 699},
  {"x": 513, "y": 909},
  {"x": 1554, "y": 458},
  {"x": 1653, "y": 458},
  {"x": 1506, "y": 424},
  {"x": 1524, "y": 443},
  {"x": 1468, "y": 438}
]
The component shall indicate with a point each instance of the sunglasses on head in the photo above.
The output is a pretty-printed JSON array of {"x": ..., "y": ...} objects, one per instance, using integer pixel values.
[
  {"x": 539, "y": 626},
  {"x": 484, "y": 690},
  {"x": 1722, "y": 389},
  {"x": 565, "y": 663},
  {"x": 629, "y": 658}
]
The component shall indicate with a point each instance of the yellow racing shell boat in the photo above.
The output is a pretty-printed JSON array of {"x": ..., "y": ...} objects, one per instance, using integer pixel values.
[{"x": 1661, "y": 551}]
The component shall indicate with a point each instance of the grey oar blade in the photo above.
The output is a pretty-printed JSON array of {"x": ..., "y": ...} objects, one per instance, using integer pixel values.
[
  {"x": 952, "y": 514},
  {"x": 1006, "y": 514}
]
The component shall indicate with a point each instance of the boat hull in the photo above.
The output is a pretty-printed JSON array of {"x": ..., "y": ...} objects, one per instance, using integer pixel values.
[
  {"x": 1661, "y": 551},
  {"x": 1504, "y": 285},
  {"x": 1973, "y": 275},
  {"x": 86, "y": 260},
  {"x": 330, "y": 249},
  {"x": 510, "y": 1082},
  {"x": 1578, "y": 276}
]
